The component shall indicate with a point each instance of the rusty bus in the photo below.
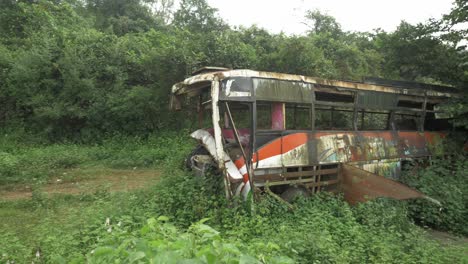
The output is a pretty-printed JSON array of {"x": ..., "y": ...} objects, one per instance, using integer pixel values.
[{"x": 290, "y": 134}]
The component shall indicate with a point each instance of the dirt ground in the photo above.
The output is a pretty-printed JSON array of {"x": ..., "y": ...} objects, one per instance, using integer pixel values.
[
  {"x": 86, "y": 181},
  {"x": 446, "y": 238}
]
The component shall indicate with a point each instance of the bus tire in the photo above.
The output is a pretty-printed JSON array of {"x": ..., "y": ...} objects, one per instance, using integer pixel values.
[{"x": 293, "y": 192}]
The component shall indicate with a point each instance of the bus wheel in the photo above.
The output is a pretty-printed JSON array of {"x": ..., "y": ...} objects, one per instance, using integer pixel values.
[
  {"x": 293, "y": 192},
  {"x": 200, "y": 161}
]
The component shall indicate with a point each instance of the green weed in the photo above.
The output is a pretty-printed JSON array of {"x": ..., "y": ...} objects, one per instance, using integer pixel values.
[{"x": 445, "y": 180}]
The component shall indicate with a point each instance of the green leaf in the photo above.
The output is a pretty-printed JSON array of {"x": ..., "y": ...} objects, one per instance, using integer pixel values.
[{"x": 136, "y": 256}]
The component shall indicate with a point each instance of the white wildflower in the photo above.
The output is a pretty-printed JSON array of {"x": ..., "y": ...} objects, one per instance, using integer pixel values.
[
  {"x": 38, "y": 254},
  {"x": 107, "y": 221},
  {"x": 109, "y": 229},
  {"x": 119, "y": 224}
]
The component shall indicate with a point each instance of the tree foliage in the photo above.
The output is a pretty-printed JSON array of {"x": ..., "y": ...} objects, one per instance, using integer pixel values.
[{"x": 80, "y": 69}]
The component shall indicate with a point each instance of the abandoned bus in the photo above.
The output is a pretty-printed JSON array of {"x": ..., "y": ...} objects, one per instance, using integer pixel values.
[{"x": 290, "y": 134}]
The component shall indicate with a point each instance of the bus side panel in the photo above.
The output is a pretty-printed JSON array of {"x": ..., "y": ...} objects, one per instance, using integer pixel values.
[
  {"x": 269, "y": 154},
  {"x": 389, "y": 168},
  {"x": 308, "y": 149},
  {"x": 434, "y": 141},
  {"x": 413, "y": 144}
]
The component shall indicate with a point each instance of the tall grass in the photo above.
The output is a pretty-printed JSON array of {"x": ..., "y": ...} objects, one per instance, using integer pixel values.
[{"x": 22, "y": 162}]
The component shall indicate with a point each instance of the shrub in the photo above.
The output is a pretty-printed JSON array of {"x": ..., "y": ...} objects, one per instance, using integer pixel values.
[
  {"x": 161, "y": 242},
  {"x": 445, "y": 180}
]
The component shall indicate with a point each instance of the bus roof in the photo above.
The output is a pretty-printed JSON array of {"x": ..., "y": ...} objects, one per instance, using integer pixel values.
[{"x": 194, "y": 84}]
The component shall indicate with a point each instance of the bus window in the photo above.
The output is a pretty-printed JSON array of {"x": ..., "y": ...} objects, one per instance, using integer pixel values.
[
  {"x": 323, "y": 119},
  {"x": 405, "y": 122},
  {"x": 342, "y": 119},
  {"x": 298, "y": 117},
  {"x": 333, "y": 97},
  {"x": 372, "y": 121},
  {"x": 410, "y": 104},
  {"x": 263, "y": 115},
  {"x": 240, "y": 114},
  {"x": 333, "y": 118},
  {"x": 432, "y": 123}
]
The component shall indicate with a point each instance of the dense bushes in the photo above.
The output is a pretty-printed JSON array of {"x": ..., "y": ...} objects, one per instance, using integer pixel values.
[
  {"x": 83, "y": 70},
  {"x": 445, "y": 180},
  {"x": 161, "y": 242}
]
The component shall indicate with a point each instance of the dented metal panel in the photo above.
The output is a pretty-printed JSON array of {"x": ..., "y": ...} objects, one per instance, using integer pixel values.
[{"x": 359, "y": 186}]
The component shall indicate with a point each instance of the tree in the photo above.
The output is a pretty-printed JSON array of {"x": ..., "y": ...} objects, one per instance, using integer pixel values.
[
  {"x": 122, "y": 16},
  {"x": 197, "y": 16},
  {"x": 414, "y": 53},
  {"x": 320, "y": 23},
  {"x": 457, "y": 16}
]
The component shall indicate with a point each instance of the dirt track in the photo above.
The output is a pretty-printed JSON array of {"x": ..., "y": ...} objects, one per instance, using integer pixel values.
[{"x": 109, "y": 179}]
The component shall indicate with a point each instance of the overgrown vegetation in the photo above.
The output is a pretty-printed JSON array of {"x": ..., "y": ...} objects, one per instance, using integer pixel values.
[
  {"x": 447, "y": 181},
  {"x": 84, "y": 70},
  {"x": 187, "y": 218},
  {"x": 85, "y": 84}
]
